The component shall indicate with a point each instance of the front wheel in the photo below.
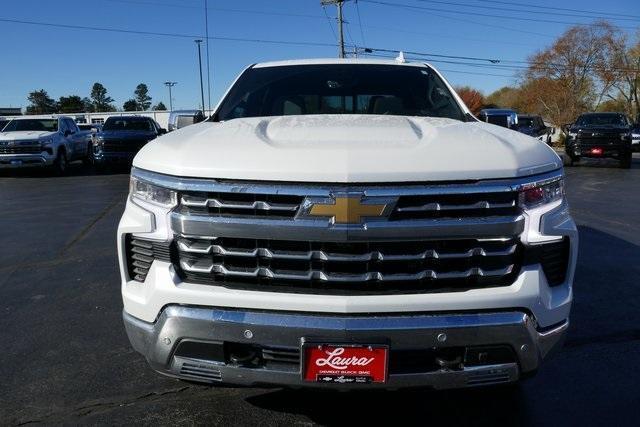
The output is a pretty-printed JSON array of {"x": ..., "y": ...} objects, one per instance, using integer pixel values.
[
  {"x": 88, "y": 159},
  {"x": 60, "y": 164}
]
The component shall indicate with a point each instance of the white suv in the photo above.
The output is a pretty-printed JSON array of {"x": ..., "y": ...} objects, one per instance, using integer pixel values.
[
  {"x": 346, "y": 224},
  {"x": 43, "y": 141}
]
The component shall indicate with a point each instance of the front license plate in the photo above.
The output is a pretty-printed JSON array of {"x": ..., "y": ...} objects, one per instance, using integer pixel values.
[{"x": 345, "y": 364}]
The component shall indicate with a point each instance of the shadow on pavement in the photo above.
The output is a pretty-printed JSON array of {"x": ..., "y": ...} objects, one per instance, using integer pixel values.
[{"x": 483, "y": 406}]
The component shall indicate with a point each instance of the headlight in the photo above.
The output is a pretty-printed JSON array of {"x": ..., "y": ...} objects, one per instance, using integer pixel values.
[
  {"x": 538, "y": 194},
  {"x": 624, "y": 136},
  {"x": 145, "y": 191},
  {"x": 44, "y": 142}
]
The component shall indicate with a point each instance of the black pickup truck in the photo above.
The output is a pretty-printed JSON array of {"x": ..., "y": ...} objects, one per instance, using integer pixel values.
[
  {"x": 122, "y": 137},
  {"x": 600, "y": 135}
]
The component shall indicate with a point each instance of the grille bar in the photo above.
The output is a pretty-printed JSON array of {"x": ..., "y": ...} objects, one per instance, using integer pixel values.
[
  {"x": 221, "y": 204},
  {"x": 203, "y": 247},
  {"x": 264, "y": 272},
  {"x": 435, "y": 206}
]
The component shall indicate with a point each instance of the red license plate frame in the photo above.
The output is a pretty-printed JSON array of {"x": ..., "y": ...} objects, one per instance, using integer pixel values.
[{"x": 345, "y": 363}]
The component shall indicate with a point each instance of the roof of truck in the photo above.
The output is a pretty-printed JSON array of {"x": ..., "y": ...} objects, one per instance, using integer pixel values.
[{"x": 326, "y": 61}]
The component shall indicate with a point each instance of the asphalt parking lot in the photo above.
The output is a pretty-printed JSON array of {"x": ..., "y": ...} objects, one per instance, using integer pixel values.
[{"x": 66, "y": 359}]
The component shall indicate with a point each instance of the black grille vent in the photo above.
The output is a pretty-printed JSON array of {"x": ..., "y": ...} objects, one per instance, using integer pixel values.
[
  {"x": 141, "y": 253},
  {"x": 554, "y": 258}
]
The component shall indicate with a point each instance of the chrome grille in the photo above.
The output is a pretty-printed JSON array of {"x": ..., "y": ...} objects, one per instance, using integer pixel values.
[
  {"x": 240, "y": 204},
  {"x": 375, "y": 267},
  {"x": 247, "y": 204},
  {"x": 20, "y": 149},
  {"x": 260, "y": 236}
]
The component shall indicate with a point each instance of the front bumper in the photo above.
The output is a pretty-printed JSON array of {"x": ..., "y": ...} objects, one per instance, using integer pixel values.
[
  {"x": 14, "y": 161},
  {"x": 159, "y": 343},
  {"x": 113, "y": 157}
]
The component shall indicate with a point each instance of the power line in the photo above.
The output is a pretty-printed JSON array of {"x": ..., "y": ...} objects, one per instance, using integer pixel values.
[
  {"x": 445, "y": 36},
  {"x": 220, "y": 9},
  {"x": 599, "y": 13},
  {"x": 539, "y": 12},
  {"x": 458, "y": 12},
  {"x": 324, "y": 9},
  {"x": 162, "y": 34},
  {"x": 360, "y": 22}
]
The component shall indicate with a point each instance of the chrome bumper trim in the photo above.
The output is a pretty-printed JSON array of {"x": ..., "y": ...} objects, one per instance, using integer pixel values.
[
  {"x": 157, "y": 341},
  {"x": 319, "y": 230}
]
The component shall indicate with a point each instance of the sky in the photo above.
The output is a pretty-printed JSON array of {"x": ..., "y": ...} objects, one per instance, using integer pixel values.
[{"x": 67, "y": 61}]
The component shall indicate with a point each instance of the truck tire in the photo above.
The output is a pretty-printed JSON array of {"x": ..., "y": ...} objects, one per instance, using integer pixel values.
[
  {"x": 88, "y": 159},
  {"x": 569, "y": 160},
  {"x": 60, "y": 163},
  {"x": 625, "y": 161}
]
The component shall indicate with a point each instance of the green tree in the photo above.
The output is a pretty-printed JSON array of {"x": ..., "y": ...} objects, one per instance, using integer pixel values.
[
  {"x": 142, "y": 97},
  {"x": 100, "y": 100},
  {"x": 88, "y": 105},
  {"x": 130, "y": 105},
  {"x": 41, "y": 103},
  {"x": 160, "y": 106},
  {"x": 70, "y": 104}
]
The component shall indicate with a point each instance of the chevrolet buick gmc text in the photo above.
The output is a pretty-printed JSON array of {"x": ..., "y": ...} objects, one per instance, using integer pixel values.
[{"x": 346, "y": 224}]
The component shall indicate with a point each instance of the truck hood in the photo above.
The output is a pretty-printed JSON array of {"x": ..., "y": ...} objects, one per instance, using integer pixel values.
[
  {"x": 343, "y": 149},
  {"x": 24, "y": 135}
]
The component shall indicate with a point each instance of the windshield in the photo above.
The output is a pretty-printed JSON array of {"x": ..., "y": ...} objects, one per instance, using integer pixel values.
[
  {"x": 602, "y": 120},
  {"x": 339, "y": 89},
  {"x": 128, "y": 124},
  {"x": 46, "y": 125},
  {"x": 3, "y": 123},
  {"x": 525, "y": 122}
]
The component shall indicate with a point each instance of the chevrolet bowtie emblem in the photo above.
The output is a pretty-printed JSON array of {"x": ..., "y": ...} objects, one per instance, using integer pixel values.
[{"x": 350, "y": 208}]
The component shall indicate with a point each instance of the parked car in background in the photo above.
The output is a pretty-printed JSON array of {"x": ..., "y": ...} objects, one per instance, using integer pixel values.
[
  {"x": 534, "y": 126},
  {"x": 181, "y": 118},
  {"x": 499, "y": 116},
  {"x": 42, "y": 141},
  {"x": 3, "y": 123},
  {"x": 122, "y": 137},
  {"x": 600, "y": 135}
]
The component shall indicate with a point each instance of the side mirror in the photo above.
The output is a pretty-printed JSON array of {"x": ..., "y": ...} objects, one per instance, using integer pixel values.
[{"x": 162, "y": 131}]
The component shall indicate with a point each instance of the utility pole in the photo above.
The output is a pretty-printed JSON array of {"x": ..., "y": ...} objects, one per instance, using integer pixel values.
[
  {"x": 199, "y": 42},
  {"x": 338, "y": 4},
  {"x": 170, "y": 85}
]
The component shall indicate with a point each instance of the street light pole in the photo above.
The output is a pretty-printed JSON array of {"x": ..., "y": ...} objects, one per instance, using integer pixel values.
[
  {"x": 198, "y": 42},
  {"x": 170, "y": 85}
]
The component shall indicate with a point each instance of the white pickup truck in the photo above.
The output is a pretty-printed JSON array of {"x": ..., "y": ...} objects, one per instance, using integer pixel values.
[
  {"x": 43, "y": 141},
  {"x": 346, "y": 224}
]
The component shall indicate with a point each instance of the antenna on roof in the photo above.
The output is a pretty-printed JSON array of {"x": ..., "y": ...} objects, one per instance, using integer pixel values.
[{"x": 400, "y": 57}]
